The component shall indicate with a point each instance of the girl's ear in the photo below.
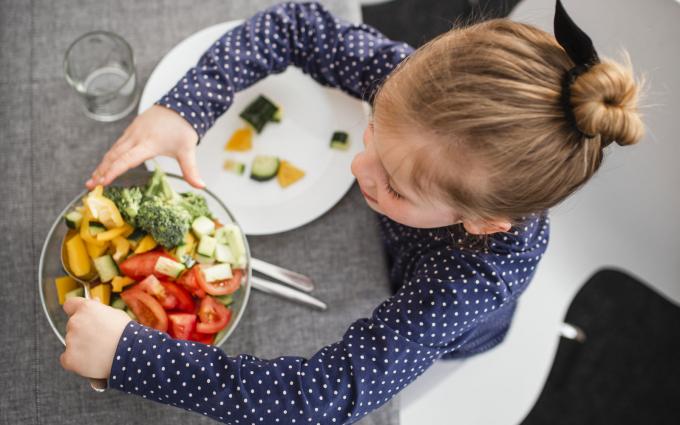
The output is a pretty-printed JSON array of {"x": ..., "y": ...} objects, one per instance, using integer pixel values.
[{"x": 486, "y": 227}]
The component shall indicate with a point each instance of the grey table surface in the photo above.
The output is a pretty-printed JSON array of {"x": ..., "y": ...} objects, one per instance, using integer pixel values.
[{"x": 48, "y": 147}]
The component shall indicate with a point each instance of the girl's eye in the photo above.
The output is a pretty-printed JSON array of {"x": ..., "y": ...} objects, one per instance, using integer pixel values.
[{"x": 392, "y": 192}]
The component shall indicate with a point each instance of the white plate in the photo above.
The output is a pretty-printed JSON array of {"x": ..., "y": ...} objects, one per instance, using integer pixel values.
[{"x": 311, "y": 113}]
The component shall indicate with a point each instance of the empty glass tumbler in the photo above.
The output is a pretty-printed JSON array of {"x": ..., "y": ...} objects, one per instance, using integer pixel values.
[{"x": 100, "y": 67}]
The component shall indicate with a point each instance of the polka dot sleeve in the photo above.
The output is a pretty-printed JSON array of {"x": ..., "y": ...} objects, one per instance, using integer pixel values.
[
  {"x": 448, "y": 298},
  {"x": 352, "y": 57}
]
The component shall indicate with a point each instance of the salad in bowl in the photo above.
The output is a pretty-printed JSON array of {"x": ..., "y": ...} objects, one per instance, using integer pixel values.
[{"x": 174, "y": 259}]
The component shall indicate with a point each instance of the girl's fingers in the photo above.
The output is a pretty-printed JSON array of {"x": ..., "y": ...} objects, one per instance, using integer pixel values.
[
  {"x": 73, "y": 304},
  {"x": 128, "y": 159},
  {"x": 121, "y": 146},
  {"x": 64, "y": 360},
  {"x": 187, "y": 162}
]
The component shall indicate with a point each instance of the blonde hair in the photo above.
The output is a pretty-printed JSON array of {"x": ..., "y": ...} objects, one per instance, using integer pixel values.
[{"x": 490, "y": 93}]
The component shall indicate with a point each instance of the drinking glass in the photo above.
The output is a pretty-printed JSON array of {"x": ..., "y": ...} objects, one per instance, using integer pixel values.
[{"x": 100, "y": 67}]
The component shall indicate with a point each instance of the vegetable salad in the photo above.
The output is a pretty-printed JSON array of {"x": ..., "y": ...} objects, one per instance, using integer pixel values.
[{"x": 157, "y": 254}]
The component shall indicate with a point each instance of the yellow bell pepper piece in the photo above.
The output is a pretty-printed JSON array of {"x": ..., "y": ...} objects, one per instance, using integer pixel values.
[
  {"x": 64, "y": 284},
  {"x": 128, "y": 230},
  {"x": 98, "y": 190},
  {"x": 78, "y": 260},
  {"x": 288, "y": 174},
  {"x": 114, "y": 233},
  {"x": 104, "y": 210},
  {"x": 101, "y": 293},
  {"x": 96, "y": 250},
  {"x": 241, "y": 140},
  {"x": 146, "y": 244},
  {"x": 122, "y": 247},
  {"x": 120, "y": 282}
]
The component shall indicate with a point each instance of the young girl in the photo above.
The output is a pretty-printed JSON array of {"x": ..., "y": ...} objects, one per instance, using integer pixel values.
[{"x": 479, "y": 132}]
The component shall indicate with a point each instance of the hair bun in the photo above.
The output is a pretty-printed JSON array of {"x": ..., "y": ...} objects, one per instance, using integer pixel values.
[{"x": 604, "y": 100}]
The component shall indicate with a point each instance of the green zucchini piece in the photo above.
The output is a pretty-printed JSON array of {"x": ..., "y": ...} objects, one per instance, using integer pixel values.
[
  {"x": 118, "y": 303},
  {"x": 168, "y": 267},
  {"x": 259, "y": 112},
  {"x": 235, "y": 167},
  {"x": 340, "y": 140},
  {"x": 206, "y": 247},
  {"x": 73, "y": 220},
  {"x": 217, "y": 272},
  {"x": 278, "y": 115},
  {"x": 202, "y": 259},
  {"x": 106, "y": 268},
  {"x": 264, "y": 168},
  {"x": 96, "y": 228},
  {"x": 223, "y": 254},
  {"x": 78, "y": 292},
  {"x": 203, "y": 226},
  {"x": 224, "y": 299}
]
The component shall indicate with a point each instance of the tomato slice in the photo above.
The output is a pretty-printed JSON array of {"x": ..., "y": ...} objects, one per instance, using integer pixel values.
[
  {"x": 202, "y": 338},
  {"x": 152, "y": 286},
  {"x": 223, "y": 287},
  {"x": 213, "y": 315},
  {"x": 182, "y": 325},
  {"x": 149, "y": 312},
  {"x": 191, "y": 280},
  {"x": 142, "y": 265},
  {"x": 184, "y": 302}
]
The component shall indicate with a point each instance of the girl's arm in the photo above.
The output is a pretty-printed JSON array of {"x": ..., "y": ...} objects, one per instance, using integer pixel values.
[
  {"x": 376, "y": 358},
  {"x": 352, "y": 57}
]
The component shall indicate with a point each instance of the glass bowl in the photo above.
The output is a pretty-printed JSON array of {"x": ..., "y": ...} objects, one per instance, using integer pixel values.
[{"x": 50, "y": 261}]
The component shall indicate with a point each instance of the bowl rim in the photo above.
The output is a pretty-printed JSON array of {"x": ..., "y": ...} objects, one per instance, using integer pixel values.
[{"x": 247, "y": 287}]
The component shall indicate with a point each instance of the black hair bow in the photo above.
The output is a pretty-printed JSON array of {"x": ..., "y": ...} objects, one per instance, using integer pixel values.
[{"x": 580, "y": 49}]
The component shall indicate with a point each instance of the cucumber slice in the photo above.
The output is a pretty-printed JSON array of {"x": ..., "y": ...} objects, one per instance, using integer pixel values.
[
  {"x": 203, "y": 226},
  {"x": 234, "y": 238},
  {"x": 340, "y": 140},
  {"x": 96, "y": 228},
  {"x": 106, "y": 268},
  {"x": 118, "y": 303},
  {"x": 78, "y": 292},
  {"x": 202, "y": 259},
  {"x": 73, "y": 220},
  {"x": 223, "y": 254},
  {"x": 206, "y": 247},
  {"x": 222, "y": 235},
  {"x": 217, "y": 272},
  {"x": 224, "y": 299},
  {"x": 182, "y": 250},
  {"x": 264, "y": 168},
  {"x": 234, "y": 166},
  {"x": 168, "y": 267}
]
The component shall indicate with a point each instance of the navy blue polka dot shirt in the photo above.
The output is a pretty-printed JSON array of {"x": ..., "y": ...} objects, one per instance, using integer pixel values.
[{"x": 455, "y": 294}]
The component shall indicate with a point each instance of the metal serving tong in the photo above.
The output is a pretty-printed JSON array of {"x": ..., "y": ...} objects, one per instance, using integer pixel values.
[{"x": 294, "y": 279}]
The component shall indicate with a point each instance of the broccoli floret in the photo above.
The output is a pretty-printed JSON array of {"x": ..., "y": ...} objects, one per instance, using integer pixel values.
[
  {"x": 166, "y": 214},
  {"x": 158, "y": 187},
  {"x": 127, "y": 200},
  {"x": 166, "y": 221},
  {"x": 195, "y": 204}
]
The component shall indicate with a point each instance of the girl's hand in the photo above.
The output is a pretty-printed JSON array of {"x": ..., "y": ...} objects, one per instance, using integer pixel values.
[
  {"x": 157, "y": 131},
  {"x": 92, "y": 335}
]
